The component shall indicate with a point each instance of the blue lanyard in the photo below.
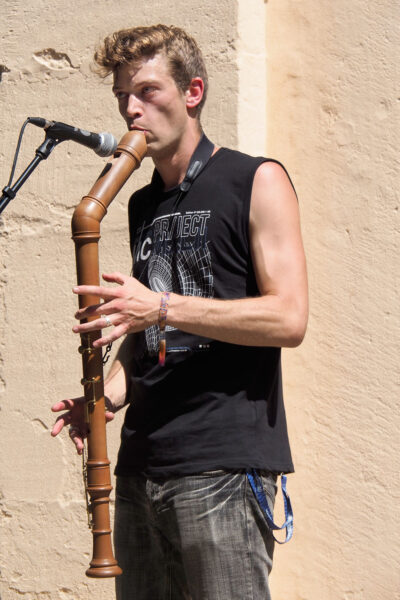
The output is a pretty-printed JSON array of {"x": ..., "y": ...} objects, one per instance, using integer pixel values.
[{"x": 257, "y": 487}]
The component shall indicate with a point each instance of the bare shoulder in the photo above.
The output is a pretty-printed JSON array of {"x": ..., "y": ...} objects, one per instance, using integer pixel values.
[
  {"x": 273, "y": 195},
  {"x": 272, "y": 171},
  {"x": 275, "y": 238}
]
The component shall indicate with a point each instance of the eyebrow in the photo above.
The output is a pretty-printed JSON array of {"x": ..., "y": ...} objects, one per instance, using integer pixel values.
[{"x": 149, "y": 81}]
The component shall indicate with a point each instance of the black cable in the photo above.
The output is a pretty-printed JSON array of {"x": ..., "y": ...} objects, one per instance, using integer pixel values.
[{"x": 21, "y": 133}]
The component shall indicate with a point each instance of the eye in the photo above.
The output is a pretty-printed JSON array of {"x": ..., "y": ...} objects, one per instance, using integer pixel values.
[
  {"x": 119, "y": 95},
  {"x": 147, "y": 90}
]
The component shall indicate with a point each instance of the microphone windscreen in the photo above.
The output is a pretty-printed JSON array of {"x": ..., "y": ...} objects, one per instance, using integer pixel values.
[{"x": 107, "y": 146}]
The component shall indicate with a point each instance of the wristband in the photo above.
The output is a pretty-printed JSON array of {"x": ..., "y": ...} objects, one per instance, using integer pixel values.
[{"x": 162, "y": 321}]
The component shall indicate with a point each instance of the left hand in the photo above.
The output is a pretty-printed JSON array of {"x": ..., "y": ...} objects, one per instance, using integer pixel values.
[
  {"x": 130, "y": 307},
  {"x": 75, "y": 418}
]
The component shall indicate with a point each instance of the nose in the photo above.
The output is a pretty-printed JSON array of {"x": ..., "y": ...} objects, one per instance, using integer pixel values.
[{"x": 133, "y": 107}]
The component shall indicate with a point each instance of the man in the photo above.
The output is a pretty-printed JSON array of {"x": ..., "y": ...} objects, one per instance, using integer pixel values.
[{"x": 218, "y": 287}]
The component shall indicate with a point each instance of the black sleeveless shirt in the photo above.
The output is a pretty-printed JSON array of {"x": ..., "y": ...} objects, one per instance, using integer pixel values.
[{"x": 213, "y": 405}]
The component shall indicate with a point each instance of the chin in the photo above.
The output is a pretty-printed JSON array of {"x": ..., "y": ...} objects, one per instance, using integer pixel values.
[
  {"x": 150, "y": 150},
  {"x": 155, "y": 150}
]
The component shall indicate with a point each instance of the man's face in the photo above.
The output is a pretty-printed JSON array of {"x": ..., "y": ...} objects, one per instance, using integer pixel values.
[{"x": 150, "y": 101}]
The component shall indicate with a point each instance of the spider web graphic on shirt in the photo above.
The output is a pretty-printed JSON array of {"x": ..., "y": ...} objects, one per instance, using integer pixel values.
[
  {"x": 171, "y": 254},
  {"x": 185, "y": 271}
]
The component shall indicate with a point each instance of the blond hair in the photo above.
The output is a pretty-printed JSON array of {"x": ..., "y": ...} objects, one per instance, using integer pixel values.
[{"x": 184, "y": 57}]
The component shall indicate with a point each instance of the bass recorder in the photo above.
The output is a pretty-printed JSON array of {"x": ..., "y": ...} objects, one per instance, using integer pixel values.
[{"x": 86, "y": 234}]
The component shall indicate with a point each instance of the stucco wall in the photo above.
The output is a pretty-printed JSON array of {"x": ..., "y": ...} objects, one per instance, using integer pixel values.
[
  {"x": 45, "y": 542},
  {"x": 326, "y": 74},
  {"x": 333, "y": 119}
]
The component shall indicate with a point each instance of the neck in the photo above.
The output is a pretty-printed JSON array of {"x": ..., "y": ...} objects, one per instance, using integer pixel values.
[{"x": 173, "y": 166}]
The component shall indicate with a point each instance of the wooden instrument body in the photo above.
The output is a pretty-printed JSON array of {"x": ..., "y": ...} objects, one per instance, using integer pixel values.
[{"x": 86, "y": 234}]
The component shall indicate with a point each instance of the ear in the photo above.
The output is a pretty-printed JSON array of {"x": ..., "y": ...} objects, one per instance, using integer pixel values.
[{"x": 194, "y": 93}]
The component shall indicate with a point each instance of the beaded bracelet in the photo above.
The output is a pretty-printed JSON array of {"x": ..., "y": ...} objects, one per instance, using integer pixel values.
[{"x": 162, "y": 321}]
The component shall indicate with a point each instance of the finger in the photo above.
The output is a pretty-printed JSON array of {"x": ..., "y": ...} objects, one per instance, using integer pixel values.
[
  {"x": 62, "y": 405},
  {"x": 114, "y": 334},
  {"x": 89, "y": 311},
  {"x": 109, "y": 416},
  {"x": 105, "y": 308},
  {"x": 56, "y": 429},
  {"x": 94, "y": 290},
  {"x": 95, "y": 325},
  {"x": 60, "y": 423},
  {"x": 77, "y": 438},
  {"x": 115, "y": 277}
]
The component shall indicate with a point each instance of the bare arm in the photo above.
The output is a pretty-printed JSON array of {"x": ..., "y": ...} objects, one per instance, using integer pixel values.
[{"x": 277, "y": 318}]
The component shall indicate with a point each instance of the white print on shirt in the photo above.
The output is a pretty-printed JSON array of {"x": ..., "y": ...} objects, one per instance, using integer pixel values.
[{"x": 177, "y": 259}]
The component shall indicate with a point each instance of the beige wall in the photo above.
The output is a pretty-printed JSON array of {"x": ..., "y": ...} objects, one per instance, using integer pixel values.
[
  {"x": 333, "y": 119},
  {"x": 326, "y": 72}
]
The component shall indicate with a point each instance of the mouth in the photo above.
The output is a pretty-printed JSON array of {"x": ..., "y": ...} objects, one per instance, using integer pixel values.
[{"x": 136, "y": 128}]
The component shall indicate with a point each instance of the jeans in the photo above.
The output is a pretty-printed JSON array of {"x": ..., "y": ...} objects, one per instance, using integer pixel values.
[{"x": 196, "y": 537}]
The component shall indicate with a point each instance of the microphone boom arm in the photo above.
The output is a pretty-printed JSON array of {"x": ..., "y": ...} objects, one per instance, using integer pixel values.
[
  {"x": 104, "y": 144},
  {"x": 42, "y": 153}
]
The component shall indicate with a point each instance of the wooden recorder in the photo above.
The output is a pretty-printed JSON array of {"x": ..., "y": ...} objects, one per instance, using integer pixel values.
[{"x": 86, "y": 234}]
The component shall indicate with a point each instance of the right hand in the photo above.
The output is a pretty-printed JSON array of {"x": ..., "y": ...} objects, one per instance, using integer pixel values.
[{"x": 75, "y": 419}]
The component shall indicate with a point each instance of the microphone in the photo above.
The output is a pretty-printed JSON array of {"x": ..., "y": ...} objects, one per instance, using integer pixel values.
[{"x": 104, "y": 144}]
